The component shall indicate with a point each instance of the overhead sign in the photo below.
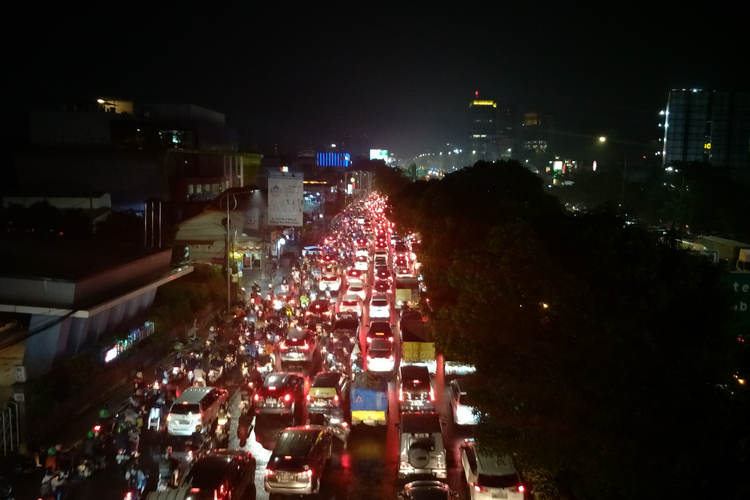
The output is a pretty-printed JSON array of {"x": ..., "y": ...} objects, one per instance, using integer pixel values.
[
  {"x": 285, "y": 199},
  {"x": 379, "y": 154}
]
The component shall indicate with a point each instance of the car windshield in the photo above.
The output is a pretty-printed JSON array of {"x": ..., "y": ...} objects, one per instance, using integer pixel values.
[
  {"x": 274, "y": 381},
  {"x": 355, "y": 288},
  {"x": 380, "y": 345},
  {"x": 295, "y": 443},
  {"x": 493, "y": 481}
]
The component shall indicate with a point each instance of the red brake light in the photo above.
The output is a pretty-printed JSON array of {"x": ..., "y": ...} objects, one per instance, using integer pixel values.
[
  {"x": 256, "y": 397},
  {"x": 478, "y": 488},
  {"x": 97, "y": 428},
  {"x": 305, "y": 347},
  {"x": 268, "y": 472},
  {"x": 308, "y": 398},
  {"x": 390, "y": 339},
  {"x": 287, "y": 398},
  {"x": 391, "y": 357},
  {"x": 195, "y": 490},
  {"x": 336, "y": 397},
  {"x": 369, "y": 339},
  {"x": 521, "y": 489},
  {"x": 282, "y": 345}
]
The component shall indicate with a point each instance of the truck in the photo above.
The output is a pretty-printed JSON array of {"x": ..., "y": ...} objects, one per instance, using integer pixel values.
[
  {"x": 407, "y": 291},
  {"x": 417, "y": 347},
  {"x": 369, "y": 399}
]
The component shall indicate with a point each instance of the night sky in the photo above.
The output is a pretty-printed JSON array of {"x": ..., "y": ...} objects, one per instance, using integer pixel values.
[{"x": 404, "y": 76}]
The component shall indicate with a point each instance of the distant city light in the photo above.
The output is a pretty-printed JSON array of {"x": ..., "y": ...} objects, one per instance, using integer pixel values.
[{"x": 602, "y": 139}]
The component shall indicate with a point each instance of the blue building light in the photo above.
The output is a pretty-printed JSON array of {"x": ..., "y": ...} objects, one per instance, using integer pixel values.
[{"x": 333, "y": 159}]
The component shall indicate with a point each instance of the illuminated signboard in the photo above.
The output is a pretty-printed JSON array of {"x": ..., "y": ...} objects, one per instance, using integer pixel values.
[
  {"x": 379, "y": 154},
  {"x": 558, "y": 165},
  {"x": 333, "y": 159},
  {"x": 111, "y": 354}
]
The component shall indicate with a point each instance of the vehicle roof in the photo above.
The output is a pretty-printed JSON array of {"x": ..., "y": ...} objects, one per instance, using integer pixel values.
[
  {"x": 297, "y": 441},
  {"x": 491, "y": 465},
  {"x": 410, "y": 371},
  {"x": 380, "y": 345},
  {"x": 208, "y": 471},
  {"x": 351, "y": 296},
  {"x": 193, "y": 395},
  {"x": 380, "y": 325},
  {"x": 328, "y": 379},
  {"x": 420, "y": 423},
  {"x": 279, "y": 378},
  {"x": 379, "y": 295}
]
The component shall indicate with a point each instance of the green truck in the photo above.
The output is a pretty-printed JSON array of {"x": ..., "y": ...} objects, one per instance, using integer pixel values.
[{"x": 417, "y": 347}]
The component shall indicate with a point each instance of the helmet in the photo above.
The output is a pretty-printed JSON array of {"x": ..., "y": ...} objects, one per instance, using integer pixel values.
[{"x": 211, "y": 329}]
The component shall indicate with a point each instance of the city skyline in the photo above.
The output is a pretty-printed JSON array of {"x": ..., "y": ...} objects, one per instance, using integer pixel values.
[{"x": 404, "y": 79}]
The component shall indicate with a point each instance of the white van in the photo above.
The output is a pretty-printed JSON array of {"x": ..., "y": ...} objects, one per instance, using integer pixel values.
[{"x": 195, "y": 410}]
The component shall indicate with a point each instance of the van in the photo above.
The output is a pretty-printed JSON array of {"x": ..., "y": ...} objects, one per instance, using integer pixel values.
[
  {"x": 195, "y": 410},
  {"x": 421, "y": 448}
]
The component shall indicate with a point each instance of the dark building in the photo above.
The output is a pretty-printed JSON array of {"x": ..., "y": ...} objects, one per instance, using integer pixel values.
[
  {"x": 707, "y": 126},
  {"x": 483, "y": 131},
  {"x": 174, "y": 152}
]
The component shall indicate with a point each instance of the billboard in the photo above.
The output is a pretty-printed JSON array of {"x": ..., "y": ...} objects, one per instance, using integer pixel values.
[
  {"x": 333, "y": 159},
  {"x": 379, "y": 154},
  {"x": 285, "y": 198}
]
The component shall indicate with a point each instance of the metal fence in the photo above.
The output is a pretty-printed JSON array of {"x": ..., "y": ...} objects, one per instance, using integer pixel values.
[{"x": 9, "y": 423}]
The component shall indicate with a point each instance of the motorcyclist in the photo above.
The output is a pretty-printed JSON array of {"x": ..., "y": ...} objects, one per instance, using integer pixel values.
[
  {"x": 211, "y": 335},
  {"x": 104, "y": 411},
  {"x": 136, "y": 478},
  {"x": 359, "y": 362},
  {"x": 168, "y": 468},
  {"x": 199, "y": 376}
]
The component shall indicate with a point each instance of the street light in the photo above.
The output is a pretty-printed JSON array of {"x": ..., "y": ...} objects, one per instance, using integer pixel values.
[{"x": 602, "y": 139}]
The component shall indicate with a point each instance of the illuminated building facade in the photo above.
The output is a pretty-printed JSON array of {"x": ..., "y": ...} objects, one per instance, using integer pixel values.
[
  {"x": 483, "y": 132},
  {"x": 707, "y": 126}
]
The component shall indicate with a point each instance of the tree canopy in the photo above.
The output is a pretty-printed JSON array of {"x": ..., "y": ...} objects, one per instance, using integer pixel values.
[{"x": 603, "y": 352}]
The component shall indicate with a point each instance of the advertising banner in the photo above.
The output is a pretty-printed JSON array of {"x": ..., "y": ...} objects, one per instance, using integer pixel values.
[{"x": 285, "y": 198}]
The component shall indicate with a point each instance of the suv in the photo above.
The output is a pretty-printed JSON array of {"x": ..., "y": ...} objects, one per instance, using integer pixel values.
[
  {"x": 433, "y": 490},
  {"x": 327, "y": 391},
  {"x": 415, "y": 392},
  {"x": 421, "y": 445},
  {"x": 298, "y": 459},
  {"x": 463, "y": 412},
  {"x": 380, "y": 330},
  {"x": 490, "y": 477},
  {"x": 380, "y": 306},
  {"x": 220, "y": 475},
  {"x": 319, "y": 308},
  {"x": 280, "y": 394},
  {"x": 298, "y": 346}
]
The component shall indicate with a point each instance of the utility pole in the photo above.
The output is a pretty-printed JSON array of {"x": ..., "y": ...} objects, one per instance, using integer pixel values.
[
  {"x": 228, "y": 253},
  {"x": 624, "y": 178}
]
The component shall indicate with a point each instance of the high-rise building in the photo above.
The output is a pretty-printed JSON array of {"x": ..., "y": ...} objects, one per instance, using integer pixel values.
[
  {"x": 483, "y": 129},
  {"x": 707, "y": 126}
]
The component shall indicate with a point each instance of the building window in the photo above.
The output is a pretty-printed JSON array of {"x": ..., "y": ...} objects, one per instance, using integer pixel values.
[{"x": 191, "y": 189}]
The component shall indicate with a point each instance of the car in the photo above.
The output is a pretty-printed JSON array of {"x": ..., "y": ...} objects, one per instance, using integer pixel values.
[
  {"x": 356, "y": 274},
  {"x": 415, "y": 391},
  {"x": 382, "y": 286},
  {"x": 380, "y": 306},
  {"x": 427, "y": 490},
  {"x": 463, "y": 412},
  {"x": 298, "y": 346},
  {"x": 362, "y": 252},
  {"x": 382, "y": 273},
  {"x": 328, "y": 390},
  {"x": 381, "y": 252},
  {"x": 488, "y": 476},
  {"x": 297, "y": 462},
  {"x": 400, "y": 261},
  {"x": 381, "y": 261},
  {"x": 381, "y": 244},
  {"x": 327, "y": 258},
  {"x": 380, "y": 330},
  {"x": 422, "y": 446},
  {"x": 280, "y": 394},
  {"x": 319, "y": 307},
  {"x": 345, "y": 330},
  {"x": 403, "y": 272},
  {"x": 330, "y": 283},
  {"x": 357, "y": 288},
  {"x": 400, "y": 248},
  {"x": 362, "y": 263},
  {"x": 220, "y": 475},
  {"x": 380, "y": 356},
  {"x": 351, "y": 302}
]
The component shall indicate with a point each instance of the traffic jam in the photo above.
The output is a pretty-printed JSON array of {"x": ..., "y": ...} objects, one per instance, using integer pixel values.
[{"x": 333, "y": 382}]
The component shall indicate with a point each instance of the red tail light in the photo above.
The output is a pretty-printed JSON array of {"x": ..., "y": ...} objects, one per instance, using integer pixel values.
[
  {"x": 309, "y": 398},
  {"x": 369, "y": 339},
  {"x": 521, "y": 489},
  {"x": 336, "y": 397},
  {"x": 390, "y": 339},
  {"x": 287, "y": 398},
  {"x": 97, "y": 428},
  {"x": 391, "y": 358},
  {"x": 432, "y": 394},
  {"x": 268, "y": 472},
  {"x": 305, "y": 347},
  {"x": 195, "y": 490},
  {"x": 256, "y": 397},
  {"x": 282, "y": 345},
  {"x": 478, "y": 488}
]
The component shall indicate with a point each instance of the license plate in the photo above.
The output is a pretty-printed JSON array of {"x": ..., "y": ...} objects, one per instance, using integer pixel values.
[
  {"x": 320, "y": 403},
  {"x": 285, "y": 478},
  {"x": 501, "y": 494},
  {"x": 369, "y": 421},
  {"x": 270, "y": 401}
]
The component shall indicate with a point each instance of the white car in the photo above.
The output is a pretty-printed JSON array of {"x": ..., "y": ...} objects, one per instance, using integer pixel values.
[
  {"x": 362, "y": 263},
  {"x": 332, "y": 283},
  {"x": 362, "y": 252},
  {"x": 380, "y": 306},
  {"x": 463, "y": 413},
  {"x": 490, "y": 477},
  {"x": 357, "y": 288},
  {"x": 351, "y": 302},
  {"x": 380, "y": 356}
]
